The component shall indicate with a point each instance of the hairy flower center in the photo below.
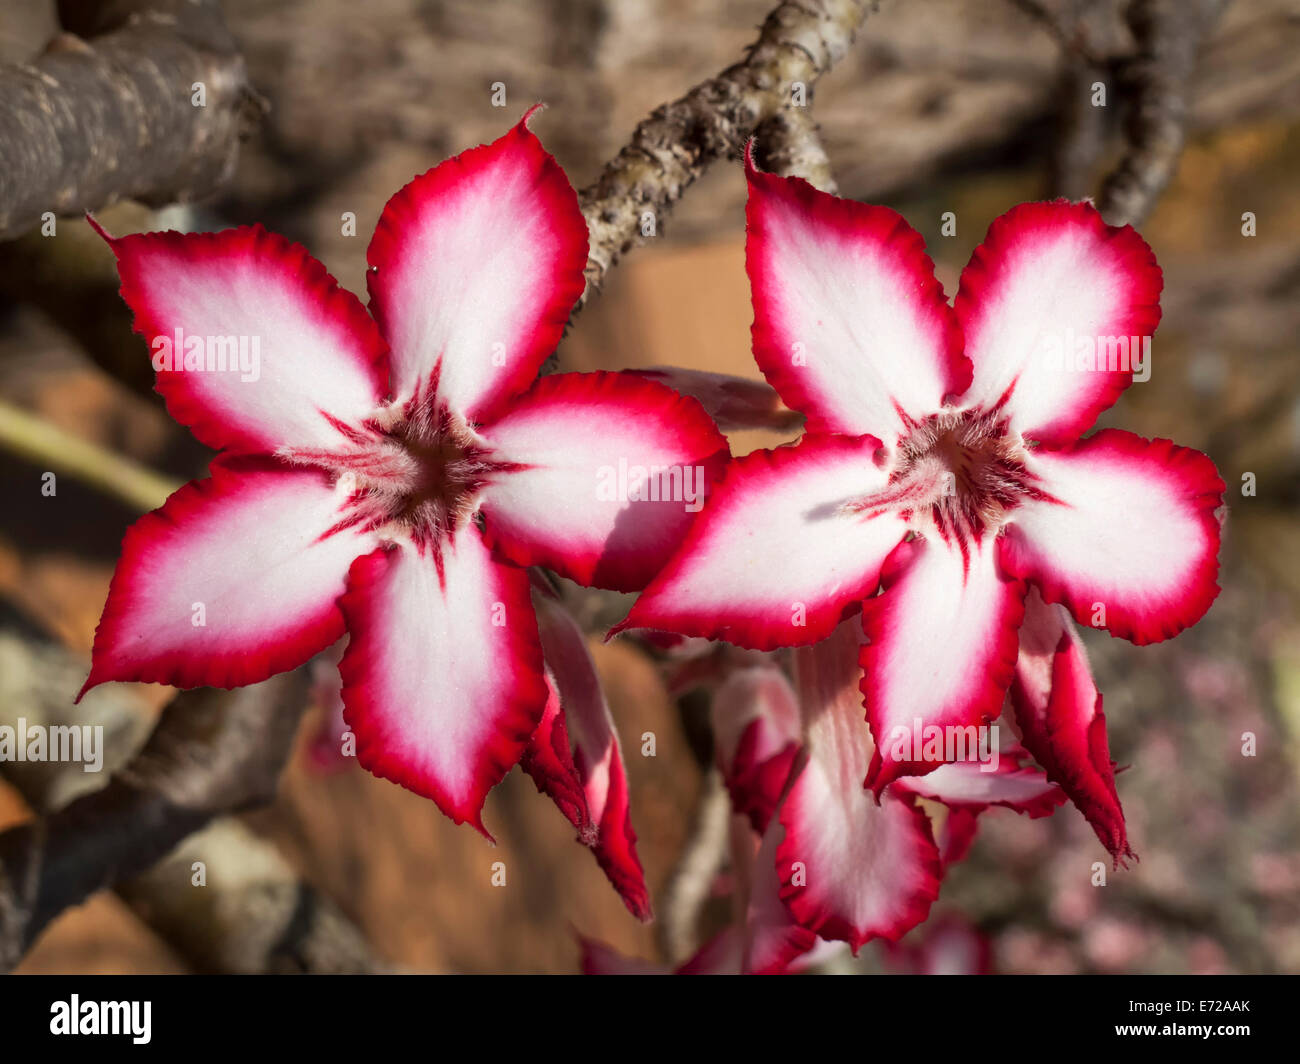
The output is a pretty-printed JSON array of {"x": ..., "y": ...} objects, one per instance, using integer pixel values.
[
  {"x": 957, "y": 473},
  {"x": 415, "y": 471}
]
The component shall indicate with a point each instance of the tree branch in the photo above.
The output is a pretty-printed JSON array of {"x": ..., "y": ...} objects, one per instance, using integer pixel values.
[
  {"x": 789, "y": 144},
  {"x": 798, "y": 43},
  {"x": 213, "y": 752},
  {"x": 106, "y": 112},
  {"x": 1169, "y": 35},
  {"x": 1082, "y": 129},
  {"x": 254, "y": 915}
]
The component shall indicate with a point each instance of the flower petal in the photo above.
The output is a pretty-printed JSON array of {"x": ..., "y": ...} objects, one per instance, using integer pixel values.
[
  {"x": 1127, "y": 538},
  {"x": 1058, "y": 711},
  {"x": 756, "y": 736},
  {"x": 1048, "y": 277},
  {"x": 957, "y": 834},
  {"x": 320, "y": 361},
  {"x": 442, "y": 678},
  {"x": 734, "y": 403},
  {"x": 941, "y": 651},
  {"x": 548, "y": 759},
  {"x": 772, "y": 941},
  {"x": 851, "y": 868},
  {"x": 850, "y": 324},
  {"x": 774, "y": 561},
  {"x": 588, "y": 446},
  {"x": 325, "y": 752},
  {"x": 594, "y": 761},
  {"x": 233, "y": 579},
  {"x": 475, "y": 266},
  {"x": 967, "y": 785}
]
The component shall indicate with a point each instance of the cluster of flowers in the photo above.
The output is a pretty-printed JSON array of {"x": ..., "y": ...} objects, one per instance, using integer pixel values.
[{"x": 404, "y": 477}]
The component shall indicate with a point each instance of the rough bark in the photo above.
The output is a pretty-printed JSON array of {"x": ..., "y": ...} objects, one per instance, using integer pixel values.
[
  {"x": 212, "y": 753},
  {"x": 106, "y": 111},
  {"x": 1169, "y": 35},
  {"x": 788, "y": 143},
  {"x": 798, "y": 43},
  {"x": 255, "y": 913}
]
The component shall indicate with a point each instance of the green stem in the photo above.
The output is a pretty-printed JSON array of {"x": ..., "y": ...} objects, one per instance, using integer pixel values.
[{"x": 49, "y": 447}]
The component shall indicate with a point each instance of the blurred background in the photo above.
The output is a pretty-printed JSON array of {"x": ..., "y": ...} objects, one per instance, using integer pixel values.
[{"x": 940, "y": 106}]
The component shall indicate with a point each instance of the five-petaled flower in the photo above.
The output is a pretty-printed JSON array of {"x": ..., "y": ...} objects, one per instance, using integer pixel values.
[
  {"x": 392, "y": 477},
  {"x": 943, "y": 466}
]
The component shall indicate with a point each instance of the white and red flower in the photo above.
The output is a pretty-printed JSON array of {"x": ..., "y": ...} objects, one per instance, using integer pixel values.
[
  {"x": 854, "y": 867},
  {"x": 821, "y": 861},
  {"x": 942, "y": 481},
  {"x": 390, "y": 477}
]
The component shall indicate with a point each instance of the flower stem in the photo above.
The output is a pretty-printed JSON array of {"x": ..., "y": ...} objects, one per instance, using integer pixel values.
[{"x": 55, "y": 450}]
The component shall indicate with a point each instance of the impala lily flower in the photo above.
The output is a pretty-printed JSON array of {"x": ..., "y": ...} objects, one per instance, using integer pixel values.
[
  {"x": 392, "y": 477},
  {"x": 943, "y": 466},
  {"x": 852, "y": 867},
  {"x": 824, "y": 862}
]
